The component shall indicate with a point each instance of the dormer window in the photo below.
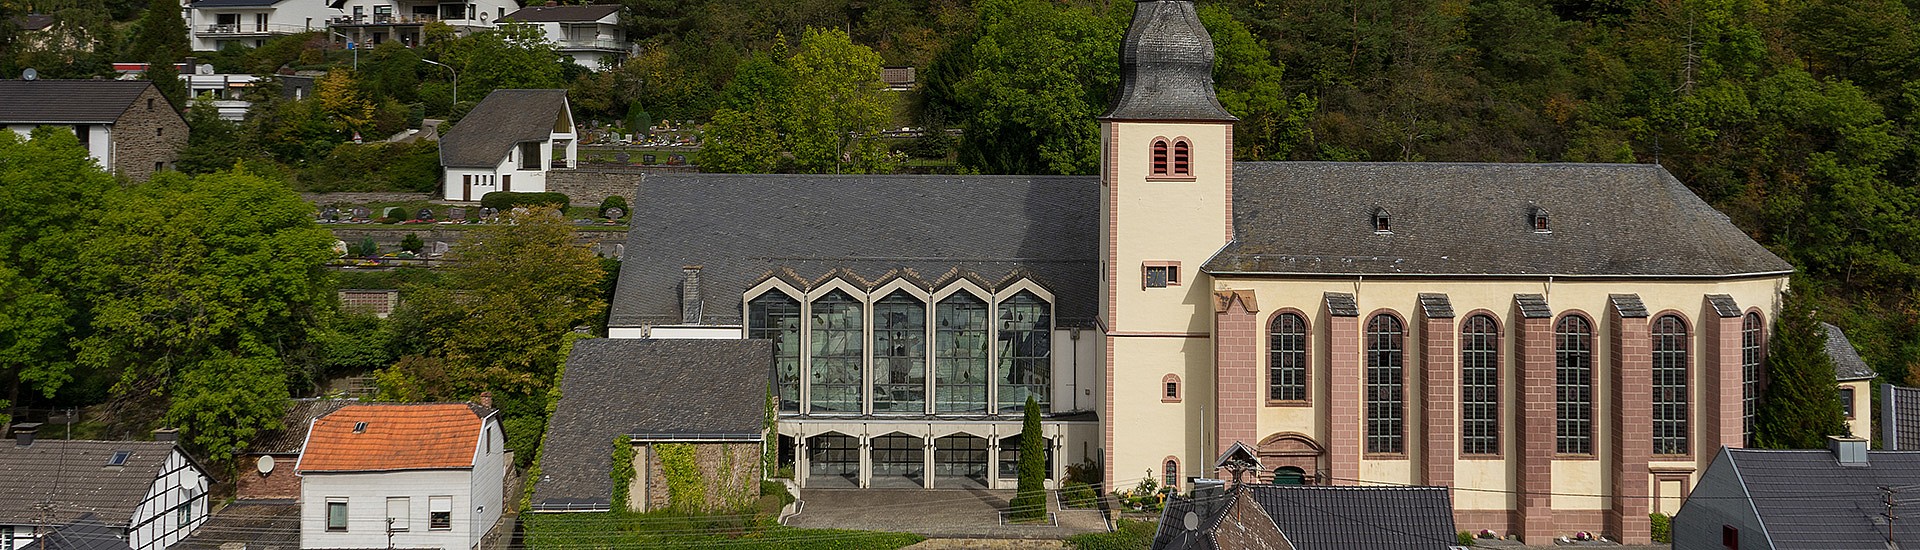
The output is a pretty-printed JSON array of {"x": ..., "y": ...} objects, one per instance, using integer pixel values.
[
  {"x": 359, "y": 427},
  {"x": 1382, "y": 221},
  {"x": 1172, "y": 158},
  {"x": 119, "y": 458},
  {"x": 1539, "y": 220}
]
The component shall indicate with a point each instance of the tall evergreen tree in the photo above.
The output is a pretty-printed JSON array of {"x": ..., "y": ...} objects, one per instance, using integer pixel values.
[
  {"x": 1030, "y": 496},
  {"x": 1800, "y": 407},
  {"x": 161, "y": 34}
]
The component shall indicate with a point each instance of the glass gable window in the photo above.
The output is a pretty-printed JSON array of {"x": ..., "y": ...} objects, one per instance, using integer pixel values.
[
  {"x": 1287, "y": 358},
  {"x": 776, "y": 316},
  {"x": 1749, "y": 372},
  {"x": 1385, "y": 386},
  {"x": 1026, "y": 351},
  {"x": 1573, "y": 386},
  {"x": 899, "y": 354},
  {"x": 835, "y": 353},
  {"x": 1479, "y": 386},
  {"x": 1669, "y": 386},
  {"x": 960, "y": 355}
]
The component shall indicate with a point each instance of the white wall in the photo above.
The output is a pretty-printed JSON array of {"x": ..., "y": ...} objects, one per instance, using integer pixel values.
[
  {"x": 366, "y": 495},
  {"x": 489, "y": 473},
  {"x": 99, "y": 140},
  {"x": 156, "y": 524}
]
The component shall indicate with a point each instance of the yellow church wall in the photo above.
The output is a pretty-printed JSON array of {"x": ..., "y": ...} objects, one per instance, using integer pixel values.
[
  {"x": 1577, "y": 484},
  {"x": 1147, "y": 430},
  {"x": 1168, "y": 221},
  {"x": 1483, "y": 485},
  {"x": 1387, "y": 472}
]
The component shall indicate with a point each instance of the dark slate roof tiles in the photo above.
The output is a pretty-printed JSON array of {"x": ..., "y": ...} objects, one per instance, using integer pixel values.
[
  {"x": 1805, "y": 499},
  {"x": 1166, "y": 66},
  {"x": 1723, "y": 305},
  {"x": 1847, "y": 364},
  {"x": 1628, "y": 305},
  {"x": 693, "y": 387},
  {"x": 294, "y": 425},
  {"x": 1436, "y": 305},
  {"x": 67, "y": 101},
  {"x": 1532, "y": 306},
  {"x": 259, "y": 524},
  {"x": 505, "y": 118},
  {"x": 1471, "y": 219},
  {"x": 1341, "y": 304},
  {"x": 1360, "y": 518},
  {"x": 75, "y": 478}
]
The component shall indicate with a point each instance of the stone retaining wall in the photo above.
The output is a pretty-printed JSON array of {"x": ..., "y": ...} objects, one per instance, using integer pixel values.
[
  {"x": 604, "y": 243},
  {"x": 327, "y": 199}
]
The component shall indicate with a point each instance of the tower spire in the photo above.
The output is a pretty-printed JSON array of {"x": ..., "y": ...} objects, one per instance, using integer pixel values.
[{"x": 1166, "y": 67}]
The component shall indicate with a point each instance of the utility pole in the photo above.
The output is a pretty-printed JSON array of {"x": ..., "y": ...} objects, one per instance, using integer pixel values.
[{"x": 1888, "y": 492}]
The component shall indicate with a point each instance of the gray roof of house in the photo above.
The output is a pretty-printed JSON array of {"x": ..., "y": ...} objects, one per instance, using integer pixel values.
[
  {"x": 692, "y": 389},
  {"x": 1316, "y": 517},
  {"x": 1166, "y": 66},
  {"x": 1847, "y": 364},
  {"x": 87, "y": 532},
  {"x": 505, "y": 118},
  {"x": 232, "y": 3},
  {"x": 74, "y": 477},
  {"x": 549, "y": 14},
  {"x": 868, "y": 230},
  {"x": 1806, "y": 499},
  {"x": 1473, "y": 219},
  {"x": 67, "y": 101},
  {"x": 259, "y": 524},
  {"x": 33, "y": 21},
  {"x": 294, "y": 425}
]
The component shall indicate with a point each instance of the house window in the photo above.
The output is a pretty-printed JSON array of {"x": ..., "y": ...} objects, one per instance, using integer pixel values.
[
  {"x": 440, "y": 513},
  {"x": 1161, "y": 274},
  {"x": 1846, "y": 402},
  {"x": 1479, "y": 386},
  {"x": 85, "y": 133},
  {"x": 837, "y": 334},
  {"x": 1750, "y": 355},
  {"x": 1160, "y": 166},
  {"x": 1669, "y": 386},
  {"x": 1170, "y": 473},
  {"x": 900, "y": 354},
  {"x": 960, "y": 354},
  {"x": 161, "y": 131},
  {"x": 529, "y": 156},
  {"x": 1573, "y": 385},
  {"x": 776, "y": 316},
  {"x": 1385, "y": 389},
  {"x": 397, "y": 514},
  {"x": 1182, "y": 158},
  {"x": 149, "y": 103},
  {"x": 1170, "y": 388},
  {"x": 119, "y": 458},
  {"x": 1382, "y": 221},
  {"x": 183, "y": 513},
  {"x": 337, "y": 514},
  {"x": 1026, "y": 352},
  {"x": 1287, "y": 358},
  {"x": 1289, "y": 475},
  {"x": 1729, "y": 537}
]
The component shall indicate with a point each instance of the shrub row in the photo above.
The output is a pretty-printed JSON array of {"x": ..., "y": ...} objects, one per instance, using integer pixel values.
[{"x": 508, "y": 200}]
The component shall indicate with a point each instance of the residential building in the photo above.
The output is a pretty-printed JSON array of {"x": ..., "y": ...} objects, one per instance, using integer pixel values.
[
  {"x": 1281, "y": 517},
  {"x": 508, "y": 142},
  {"x": 147, "y": 495},
  {"x": 423, "y": 475},
  {"x": 1565, "y": 345},
  {"x": 1856, "y": 382},
  {"x": 44, "y": 32},
  {"x": 225, "y": 91},
  {"x": 266, "y": 466},
  {"x": 725, "y": 425},
  {"x": 1844, "y": 497},
  {"x": 369, "y": 23},
  {"x": 214, "y": 24},
  {"x": 125, "y": 125},
  {"x": 256, "y": 524},
  {"x": 590, "y": 34}
]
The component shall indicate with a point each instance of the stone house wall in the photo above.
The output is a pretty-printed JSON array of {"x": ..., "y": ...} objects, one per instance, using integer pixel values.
[
  {"x": 281, "y": 483},
  {"x": 725, "y": 468},
  {"x": 149, "y": 134}
]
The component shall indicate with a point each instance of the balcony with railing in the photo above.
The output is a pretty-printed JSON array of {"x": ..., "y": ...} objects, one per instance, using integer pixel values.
[
  {"x": 250, "y": 29},
  {"x": 381, "y": 19},
  {"x": 594, "y": 45}
]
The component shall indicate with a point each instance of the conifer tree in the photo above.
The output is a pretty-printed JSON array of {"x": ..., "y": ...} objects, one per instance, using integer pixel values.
[
  {"x": 1030, "y": 496},
  {"x": 1800, "y": 406}
]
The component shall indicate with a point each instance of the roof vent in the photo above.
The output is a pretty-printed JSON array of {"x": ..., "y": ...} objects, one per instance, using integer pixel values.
[
  {"x": 359, "y": 427},
  {"x": 23, "y": 433},
  {"x": 1382, "y": 220},
  {"x": 1849, "y": 451}
]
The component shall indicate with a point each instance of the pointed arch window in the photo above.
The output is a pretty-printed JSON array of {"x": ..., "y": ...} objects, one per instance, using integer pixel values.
[
  {"x": 1670, "y": 386},
  {"x": 1573, "y": 385},
  {"x": 776, "y": 316},
  {"x": 960, "y": 354},
  {"x": 900, "y": 354},
  {"x": 1287, "y": 358},
  {"x": 1749, "y": 372},
  {"x": 1479, "y": 386},
  {"x": 836, "y": 352},
  {"x": 1386, "y": 389},
  {"x": 1026, "y": 352}
]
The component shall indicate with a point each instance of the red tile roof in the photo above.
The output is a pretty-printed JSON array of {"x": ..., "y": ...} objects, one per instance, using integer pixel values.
[{"x": 397, "y": 437}]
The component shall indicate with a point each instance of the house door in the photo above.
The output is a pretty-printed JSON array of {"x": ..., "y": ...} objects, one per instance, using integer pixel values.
[
  {"x": 506, "y": 182},
  {"x": 466, "y": 191}
]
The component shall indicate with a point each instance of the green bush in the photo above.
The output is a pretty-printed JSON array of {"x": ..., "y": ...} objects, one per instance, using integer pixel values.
[
  {"x": 1662, "y": 527},
  {"x": 1464, "y": 538},
  {"x": 613, "y": 201},
  {"x": 776, "y": 489},
  {"x": 1078, "y": 495},
  {"x": 1128, "y": 534},
  {"x": 412, "y": 243},
  {"x": 673, "y": 530},
  {"x": 508, "y": 200}
]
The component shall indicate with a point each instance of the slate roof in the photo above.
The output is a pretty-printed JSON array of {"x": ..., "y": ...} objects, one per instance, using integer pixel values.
[
  {"x": 233, "y": 3},
  {"x": 1316, "y": 517},
  {"x": 1805, "y": 499},
  {"x": 505, "y": 118},
  {"x": 397, "y": 436},
  {"x": 259, "y": 524},
  {"x": 806, "y": 229},
  {"x": 1166, "y": 66},
  {"x": 1472, "y": 219},
  {"x": 691, "y": 388},
  {"x": 86, "y": 533},
  {"x": 67, "y": 101},
  {"x": 75, "y": 478},
  {"x": 293, "y": 426},
  {"x": 1847, "y": 364},
  {"x": 557, "y": 14},
  {"x": 1724, "y": 305}
]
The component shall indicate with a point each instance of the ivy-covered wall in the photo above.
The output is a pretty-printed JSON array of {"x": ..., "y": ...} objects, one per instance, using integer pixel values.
[{"x": 701, "y": 477}]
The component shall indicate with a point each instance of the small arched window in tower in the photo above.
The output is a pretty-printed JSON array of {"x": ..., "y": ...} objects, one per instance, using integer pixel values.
[
  {"x": 1539, "y": 217},
  {"x": 1160, "y": 164},
  {"x": 1182, "y": 158},
  {"x": 1382, "y": 221},
  {"x": 1170, "y": 388}
]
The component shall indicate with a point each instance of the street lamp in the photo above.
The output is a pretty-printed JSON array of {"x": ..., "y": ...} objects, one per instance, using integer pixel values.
[
  {"x": 350, "y": 46},
  {"x": 456, "y": 83}
]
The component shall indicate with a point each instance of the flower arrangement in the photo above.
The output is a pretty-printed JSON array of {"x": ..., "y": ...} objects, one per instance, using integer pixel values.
[
  {"x": 1583, "y": 536},
  {"x": 1488, "y": 534}
]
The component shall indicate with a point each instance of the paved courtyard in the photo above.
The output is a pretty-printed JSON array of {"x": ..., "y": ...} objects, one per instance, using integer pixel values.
[{"x": 936, "y": 513}]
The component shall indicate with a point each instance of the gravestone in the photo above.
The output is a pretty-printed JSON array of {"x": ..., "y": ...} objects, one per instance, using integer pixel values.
[
  {"x": 622, "y": 157},
  {"x": 330, "y": 214},
  {"x": 614, "y": 213},
  {"x": 488, "y": 212},
  {"x": 439, "y": 248},
  {"x": 648, "y": 159},
  {"x": 360, "y": 213},
  {"x": 457, "y": 214},
  {"x": 676, "y": 160},
  {"x": 425, "y": 214},
  {"x": 394, "y": 212}
]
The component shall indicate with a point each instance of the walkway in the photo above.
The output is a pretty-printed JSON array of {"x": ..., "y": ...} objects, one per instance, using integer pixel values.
[{"x": 938, "y": 513}]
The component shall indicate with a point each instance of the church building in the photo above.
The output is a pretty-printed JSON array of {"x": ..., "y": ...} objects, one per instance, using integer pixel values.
[{"x": 1566, "y": 346}]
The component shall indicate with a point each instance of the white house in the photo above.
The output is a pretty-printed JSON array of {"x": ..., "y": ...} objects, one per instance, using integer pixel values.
[
  {"x": 590, "y": 34},
  {"x": 508, "y": 143},
  {"x": 371, "y": 22},
  {"x": 149, "y": 494},
  {"x": 212, "y": 24},
  {"x": 127, "y": 126},
  {"x": 426, "y": 475}
]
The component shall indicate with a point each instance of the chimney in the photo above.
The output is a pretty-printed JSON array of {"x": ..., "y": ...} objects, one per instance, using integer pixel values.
[
  {"x": 485, "y": 399},
  {"x": 193, "y": 67},
  {"x": 690, "y": 306},
  {"x": 1848, "y": 450},
  {"x": 23, "y": 433},
  {"x": 166, "y": 435}
]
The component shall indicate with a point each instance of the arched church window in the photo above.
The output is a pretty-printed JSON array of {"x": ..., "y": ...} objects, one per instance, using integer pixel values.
[
  {"x": 1289, "y": 475},
  {"x": 1750, "y": 354},
  {"x": 1182, "y": 158},
  {"x": 1573, "y": 385},
  {"x": 836, "y": 353},
  {"x": 1670, "y": 386},
  {"x": 1287, "y": 358},
  {"x": 1026, "y": 351},
  {"x": 1160, "y": 165},
  {"x": 1386, "y": 396},
  {"x": 1479, "y": 386},
  {"x": 899, "y": 354},
  {"x": 960, "y": 354}
]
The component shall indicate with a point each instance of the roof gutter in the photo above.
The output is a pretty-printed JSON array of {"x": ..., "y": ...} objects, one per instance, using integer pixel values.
[{"x": 1357, "y": 276}]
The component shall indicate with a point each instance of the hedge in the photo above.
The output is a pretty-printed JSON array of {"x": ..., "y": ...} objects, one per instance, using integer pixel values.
[{"x": 508, "y": 200}]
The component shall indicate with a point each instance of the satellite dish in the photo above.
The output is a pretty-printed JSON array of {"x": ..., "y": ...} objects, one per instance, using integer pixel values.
[
  {"x": 30, "y": 74},
  {"x": 265, "y": 464},
  {"x": 1192, "y": 520},
  {"x": 205, "y": 69}
]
